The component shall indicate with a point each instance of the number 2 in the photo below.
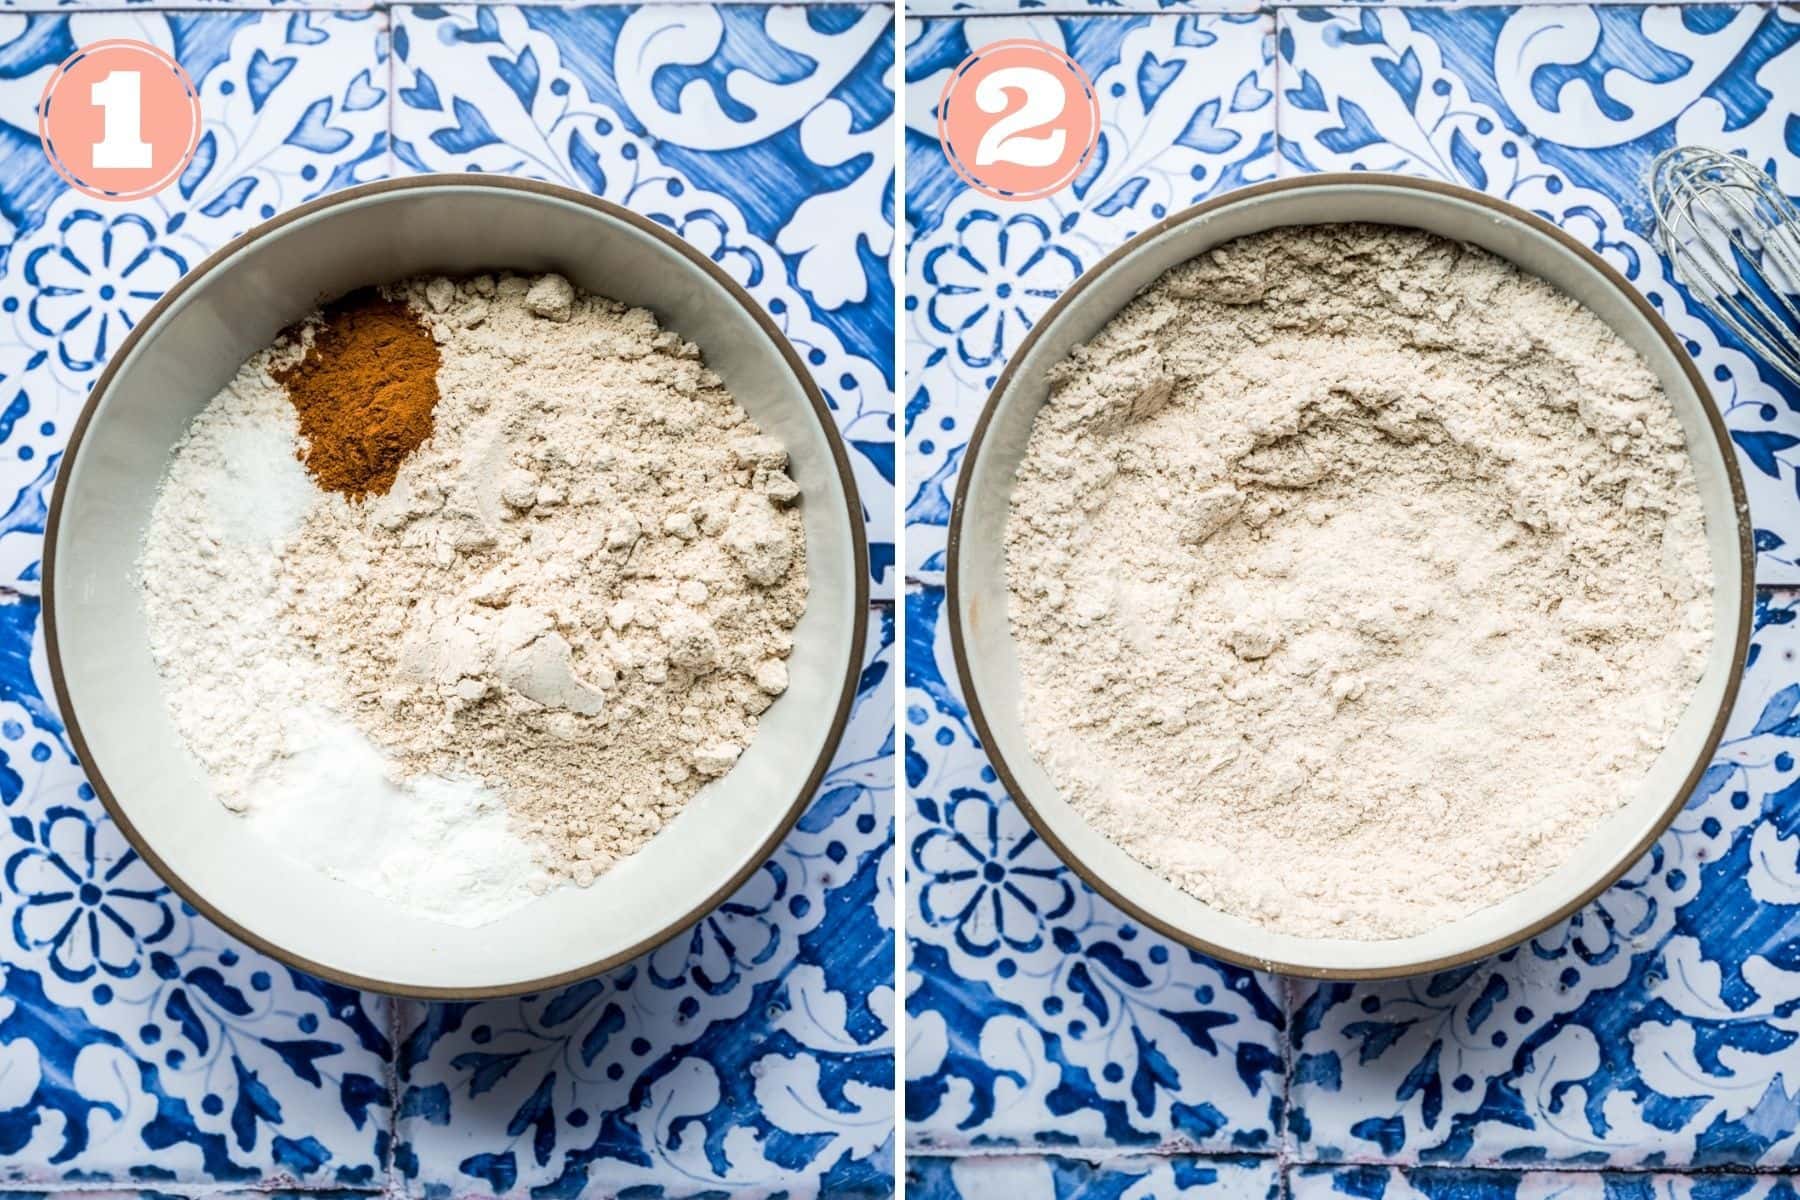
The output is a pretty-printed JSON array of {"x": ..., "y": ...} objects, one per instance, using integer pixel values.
[
  {"x": 120, "y": 97},
  {"x": 1006, "y": 141}
]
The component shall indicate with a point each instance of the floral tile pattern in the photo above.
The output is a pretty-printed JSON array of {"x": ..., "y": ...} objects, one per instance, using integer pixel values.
[
  {"x": 1038, "y": 1015},
  {"x": 756, "y": 1052},
  {"x": 786, "y": 182},
  {"x": 994, "y": 8},
  {"x": 1375, "y": 1182},
  {"x": 82, "y": 6},
  {"x": 295, "y": 106},
  {"x": 139, "y": 1046},
  {"x": 973, "y": 8},
  {"x": 1653, "y": 1031},
  {"x": 1656, "y": 1028},
  {"x": 1191, "y": 110},
  {"x": 1128, "y": 1177},
  {"x": 1559, "y": 109},
  {"x": 139, "y": 1043}
]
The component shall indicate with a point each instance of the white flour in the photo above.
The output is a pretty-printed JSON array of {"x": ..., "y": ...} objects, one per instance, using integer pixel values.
[
  {"x": 1355, "y": 576},
  {"x": 234, "y": 493},
  {"x": 238, "y": 682},
  {"x": 518, "y": 664}
]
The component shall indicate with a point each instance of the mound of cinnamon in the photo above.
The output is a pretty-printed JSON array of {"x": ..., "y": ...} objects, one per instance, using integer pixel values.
[{"x": 364, "y": 391}]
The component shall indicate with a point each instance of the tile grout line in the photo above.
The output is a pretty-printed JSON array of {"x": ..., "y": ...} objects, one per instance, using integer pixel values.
[
  {"x": 1283, "y": 1157},
  {"x": 391, "y": 1184},
  {"x": 259, "y": 7},
  {"x": 1100, "y": 1155}
]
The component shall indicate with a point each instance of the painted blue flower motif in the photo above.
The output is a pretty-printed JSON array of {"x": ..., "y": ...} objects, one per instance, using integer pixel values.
[
  {"x": 93, "y": 912},
  {"x": 1613, "y": 922},
  {"x": 95, "y": 281},
  {"x": 990, "y": 888},
  {"x": 709, "y": 233},
  {"x": 993, "y": 281},
  {"x": 742, "y": 933}
]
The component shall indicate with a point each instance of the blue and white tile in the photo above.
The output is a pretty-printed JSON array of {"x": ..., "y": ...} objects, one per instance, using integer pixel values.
[
  {"x": 85, "y": 6},
  {"x": 976, "y": 8},
  {"x": 1095, "y": 8},
  {"x": 1657, "y": 1028},
  {"x": 1038, "y": 1015},
  {"x": 1189, "y": 110},
  {"x": 1559, "y": 109},
  {"x": 169, "y": 1193},
  {"x": 752, "y": 1055},
  {"x": 1378, "y": 1182},
  {"x": 763, "y": 135},
  {"x": 141, "y": 1043},
  {"x": 295, "y": 104},
  {"x": 1118, "y": 1177}
]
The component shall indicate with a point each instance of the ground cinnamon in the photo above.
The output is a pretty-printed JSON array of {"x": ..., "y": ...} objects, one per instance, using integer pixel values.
[{"x": 365, "y": 392}]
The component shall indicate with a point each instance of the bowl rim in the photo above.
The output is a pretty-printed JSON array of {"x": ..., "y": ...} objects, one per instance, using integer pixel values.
[
  {"x": 1432, "y": 187},
  {"x": 821, "y": 411}
]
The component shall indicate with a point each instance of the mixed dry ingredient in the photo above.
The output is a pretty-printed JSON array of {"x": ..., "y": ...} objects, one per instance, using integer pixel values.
[
  {"x": 465, "y": 588},
  {"x": 1331, "y": 559}
]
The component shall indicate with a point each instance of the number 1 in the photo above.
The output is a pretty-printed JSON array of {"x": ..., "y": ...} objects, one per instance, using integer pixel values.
[{"x": 120, "y": 97}]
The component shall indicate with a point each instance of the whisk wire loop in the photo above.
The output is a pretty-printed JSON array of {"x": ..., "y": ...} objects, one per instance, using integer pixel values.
[{"x": 1733, "y": 238}]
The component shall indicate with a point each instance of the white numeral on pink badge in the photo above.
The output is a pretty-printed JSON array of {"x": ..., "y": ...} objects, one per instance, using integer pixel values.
[
  {"x": 1018, "y": 119},
  {"x": 1006, "y": 141},
  {"x": 120, "y": 96}
]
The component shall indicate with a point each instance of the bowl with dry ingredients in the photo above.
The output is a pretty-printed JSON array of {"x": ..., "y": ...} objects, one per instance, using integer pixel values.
[
  {"x": 1349, "y": 576},
  {"x": 454, "y": 614}
]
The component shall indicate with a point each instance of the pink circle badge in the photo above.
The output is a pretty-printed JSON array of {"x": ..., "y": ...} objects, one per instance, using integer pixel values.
[
  {"x": 1018, "y": 119},
  {"x": 119, "y": 119}
]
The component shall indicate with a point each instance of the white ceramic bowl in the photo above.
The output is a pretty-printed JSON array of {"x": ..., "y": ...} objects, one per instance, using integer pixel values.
[
  {"x": 107, "y": 684},
  {"x": 982, "y": 640}
]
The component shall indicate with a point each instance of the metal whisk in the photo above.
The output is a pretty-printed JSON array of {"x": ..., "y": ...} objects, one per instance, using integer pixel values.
[{"x": 1734, "y": 240}]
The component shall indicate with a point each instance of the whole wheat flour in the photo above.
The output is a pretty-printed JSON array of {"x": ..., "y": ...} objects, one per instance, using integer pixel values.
[
  {"x": 580, "y": 590},
  {"x": 1355, "y": 576}
]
